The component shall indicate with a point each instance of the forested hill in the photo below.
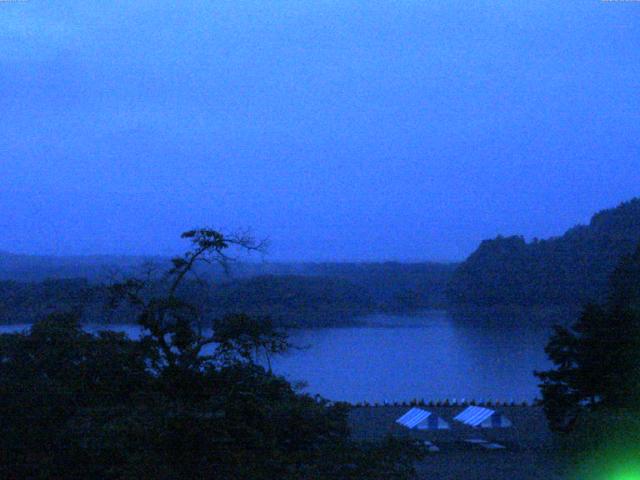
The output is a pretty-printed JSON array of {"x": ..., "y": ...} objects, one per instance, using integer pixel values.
[
  {"x": 319, "y": 294},
  {"x": 394, "y": 286},
  {"x": 569, "y": 270},
  {"x": 94, "y": 268},
  {"x": 288, "y": 300}
]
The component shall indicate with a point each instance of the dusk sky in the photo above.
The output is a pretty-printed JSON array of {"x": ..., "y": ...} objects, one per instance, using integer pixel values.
[{"x": 341, "y": 130}]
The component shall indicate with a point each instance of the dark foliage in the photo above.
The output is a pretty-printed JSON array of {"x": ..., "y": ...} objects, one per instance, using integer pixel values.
[
  {"x": 23, "y": 302},
  {"x": 570, "y": 270},
  {"x": 395, "y": 287},
  {"x": 596, "y": 360},
  {"x": 293, "y": 300},
  {"x": 327, "y": 294},
  {"x": 76, "y": 405},
  {"x": 392, "y": 286},
  {"x": 289, "y": 300}
]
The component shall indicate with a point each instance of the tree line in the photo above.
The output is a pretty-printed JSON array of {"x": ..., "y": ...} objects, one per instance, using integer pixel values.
[
  {"x": 573, "y": 269},
  {"x": 179, "y": 402},
  {"x": 592, "y": 394},
  {"x": 325, "y": 295}
]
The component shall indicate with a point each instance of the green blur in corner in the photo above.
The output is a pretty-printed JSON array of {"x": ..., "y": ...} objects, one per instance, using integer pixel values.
[{"x": 616, "y": 458}]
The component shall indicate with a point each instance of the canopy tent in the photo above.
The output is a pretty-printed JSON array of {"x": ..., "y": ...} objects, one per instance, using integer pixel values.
[
  {"x": 483, "y": 418},
  {"x": 422, "y": 420}
]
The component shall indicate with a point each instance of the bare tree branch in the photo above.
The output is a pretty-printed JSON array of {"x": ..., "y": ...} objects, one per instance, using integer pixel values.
[{"x": 169, "y": 320}]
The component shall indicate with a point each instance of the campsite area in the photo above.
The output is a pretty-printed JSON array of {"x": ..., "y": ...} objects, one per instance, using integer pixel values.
[{"x": 528, "y": 453}]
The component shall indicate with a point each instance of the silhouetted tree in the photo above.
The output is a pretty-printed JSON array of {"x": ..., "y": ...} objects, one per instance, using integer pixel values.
[
  {"x": 78, "y": 405},
  {"x": 172, "y": 323},
  {"x": 53, "y": 376},
  {"x": 596, "y": 359},
  {"x": 245, "y": 338}
]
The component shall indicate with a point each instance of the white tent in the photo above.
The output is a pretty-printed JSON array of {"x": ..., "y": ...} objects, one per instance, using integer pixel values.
[
  {"x": 483, "y": 418},
  {"x": 422, "y": 420}
]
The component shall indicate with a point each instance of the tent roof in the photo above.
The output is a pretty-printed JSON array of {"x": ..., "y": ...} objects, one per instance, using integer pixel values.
[
  {"x": 413, "y": 417},
  {"x": 474, "y": 416}
]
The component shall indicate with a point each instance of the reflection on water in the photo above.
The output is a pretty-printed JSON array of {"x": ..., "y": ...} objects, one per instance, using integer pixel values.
[{"x": 434, "y": 355}]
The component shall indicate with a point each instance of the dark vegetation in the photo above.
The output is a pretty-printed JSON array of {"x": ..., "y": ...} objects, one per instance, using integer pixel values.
[
  {"x": 289, "y": 300},
  {"x": 567, "y": 271},
  {"x": 320, "y": 294},
  {"x": 26, "y": 302},
  {"x": 94, "y": 268},
  {"x": 592, "y": 396},
  {"x": 394, "y": 287},
  {"x": 294, "y": 300},
  {"x": 573, "y": 269},
  {"x": 175, "y": 404},
  {"x": 179, "y": 403}
]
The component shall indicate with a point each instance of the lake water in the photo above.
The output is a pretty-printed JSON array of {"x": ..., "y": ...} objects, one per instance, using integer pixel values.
[{"x": 432, "y": 356}]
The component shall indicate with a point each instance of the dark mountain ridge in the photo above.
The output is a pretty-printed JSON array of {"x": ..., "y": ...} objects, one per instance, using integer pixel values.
[{"x": 568, "y": 270}]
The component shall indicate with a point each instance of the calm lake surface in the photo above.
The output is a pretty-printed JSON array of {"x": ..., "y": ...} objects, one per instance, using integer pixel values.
[
  {"x": 430, "y": 356},
  {"x": 433, "y": 355}
]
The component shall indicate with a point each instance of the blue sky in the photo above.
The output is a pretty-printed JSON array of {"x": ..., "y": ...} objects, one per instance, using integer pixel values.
[{"x": 341, "y": 130}]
